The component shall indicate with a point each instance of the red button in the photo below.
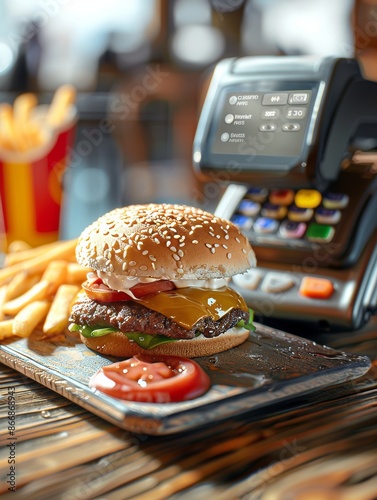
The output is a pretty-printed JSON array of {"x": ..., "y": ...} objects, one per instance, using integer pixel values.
[
  {"x": 316, "y": 288},
  {"x": 282, "y": 196}
]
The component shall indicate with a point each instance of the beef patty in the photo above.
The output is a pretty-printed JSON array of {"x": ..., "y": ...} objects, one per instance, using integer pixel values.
[{"x": 133, "y": 317}]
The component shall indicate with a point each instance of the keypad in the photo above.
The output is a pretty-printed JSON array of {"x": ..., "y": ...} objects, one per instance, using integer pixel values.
[
  {"x": 286, "y": 214},
  {"x": 302, "y": 287}
]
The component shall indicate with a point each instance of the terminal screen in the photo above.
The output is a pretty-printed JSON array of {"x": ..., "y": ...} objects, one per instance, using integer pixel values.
[{"x": 263, "y": 123}]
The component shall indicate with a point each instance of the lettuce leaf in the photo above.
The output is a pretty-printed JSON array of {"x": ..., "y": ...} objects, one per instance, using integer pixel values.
[
  {"x": 144, "y": 340},
  {"x": 249, "y": 325}
]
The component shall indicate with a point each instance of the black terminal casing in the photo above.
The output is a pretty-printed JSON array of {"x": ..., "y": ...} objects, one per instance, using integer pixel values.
[{"x": 335, "y": 111}]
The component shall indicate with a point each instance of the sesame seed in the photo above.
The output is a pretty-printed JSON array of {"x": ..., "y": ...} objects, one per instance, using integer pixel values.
[
  {"x": 229, "y": 255},
  {"x": 144, "y": 252},
  {"x": 195, "y": 242},
  {"x": 176, "y": 256},
  {"x": 208, "y": 245},
  {"x": 238, "y": 240},
  {"x": 181, "y": 253},
  {"x": 225, "y": 246},
  {"x": 213, "y": 250},
  {"x": 143, "y": 268},
  {"x": 132, "y": 263},
  {"x": 226, "y": 236},
  {"x": 153, "y": 258},
  {"x": 168, "y": 243},
  {"x": 124, "y": 266},
  {"x": 173, "y": 249}
]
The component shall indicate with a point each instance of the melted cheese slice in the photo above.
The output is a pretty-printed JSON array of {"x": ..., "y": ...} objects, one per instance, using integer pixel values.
[{"x": 186, "y": 306}]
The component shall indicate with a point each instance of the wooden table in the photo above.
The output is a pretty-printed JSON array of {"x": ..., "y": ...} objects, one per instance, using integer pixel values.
[{"x": 323, "y": 447}]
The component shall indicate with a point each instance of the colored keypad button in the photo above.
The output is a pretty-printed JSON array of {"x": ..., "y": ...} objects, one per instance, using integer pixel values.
[
  {"x": 249, "y": 280},
  {"x": 335, "y": 200},
  {"x": 274, "y": 211},
  {"x": 299, "y": 214},
  {"x": 308, "y": 198},
  {"x": 327, "y": 215},
  {"x": 242, "y": 221},
  {"x": 249, "y": 207},
  {"x": 321, "y": 233},
  {"x": 316, "y": 288},
  {"x": 257, "y": 194},
  {"x": 292, "y": 230},
  {"x": 265, "y": 225},
  {"x": 277, "y": 282},
  {"x": 282, "y": 196}
]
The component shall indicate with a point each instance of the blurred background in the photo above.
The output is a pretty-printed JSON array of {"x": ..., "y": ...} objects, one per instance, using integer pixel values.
[{"x": 141, "y": 69}]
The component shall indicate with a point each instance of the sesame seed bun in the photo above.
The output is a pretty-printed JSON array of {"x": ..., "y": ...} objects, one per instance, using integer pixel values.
[
  {"x": 117, "y": 344},
  {"x": 164, "y": 241}
]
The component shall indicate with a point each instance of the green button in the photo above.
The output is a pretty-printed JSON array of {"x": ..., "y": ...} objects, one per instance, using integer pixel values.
[{"x": 320, "y": 232}]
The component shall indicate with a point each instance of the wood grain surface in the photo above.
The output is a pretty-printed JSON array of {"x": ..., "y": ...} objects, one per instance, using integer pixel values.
[{"x": 322, "y": 447}]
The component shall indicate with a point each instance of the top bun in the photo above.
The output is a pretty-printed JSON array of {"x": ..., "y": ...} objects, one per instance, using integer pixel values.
[{"x": 166, "y": 242}]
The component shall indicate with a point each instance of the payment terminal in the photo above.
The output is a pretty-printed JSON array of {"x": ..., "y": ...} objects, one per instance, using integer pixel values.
[{"x": 293, "y": 139}]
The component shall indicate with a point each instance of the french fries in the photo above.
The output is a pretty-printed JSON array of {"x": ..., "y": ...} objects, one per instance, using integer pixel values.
[
  {"x": 37, "y": 292},
  {"x": 56, "y": 320},
  {"x": 19, "y": 284},
  {"x": 18, "y": 246},
  {"x": 6, "y": 329},
  {"x": 27, "y": 133},
  {"x": 36, "y": 263},
  {"x": 21, "y": 130},
  {"x": 63, "y": 99},
  {"x": 28, "y": 318}
]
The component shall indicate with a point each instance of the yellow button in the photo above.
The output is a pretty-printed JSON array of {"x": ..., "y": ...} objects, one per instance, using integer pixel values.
[{"x": 308, "y": 198}]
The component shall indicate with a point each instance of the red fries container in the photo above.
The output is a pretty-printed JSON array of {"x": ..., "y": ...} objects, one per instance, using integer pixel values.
[{"x": 31, "y": 187}]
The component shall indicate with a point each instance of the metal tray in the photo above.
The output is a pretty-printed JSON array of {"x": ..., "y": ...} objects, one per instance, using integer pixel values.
[{"x": 271, "y": 368}]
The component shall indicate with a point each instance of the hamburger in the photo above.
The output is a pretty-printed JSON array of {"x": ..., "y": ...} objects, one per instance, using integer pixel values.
[{"x": 159, "y": 282}]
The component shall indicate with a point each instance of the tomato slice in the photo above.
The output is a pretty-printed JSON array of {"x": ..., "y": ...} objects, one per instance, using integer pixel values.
[
  {"x": 96, "y": 290},
  {"x": 152, "y": 379},
  {"x": 142, "y": 289},
  {"x": 102, "y": 293},
  {"x": 92, "y": 278}
]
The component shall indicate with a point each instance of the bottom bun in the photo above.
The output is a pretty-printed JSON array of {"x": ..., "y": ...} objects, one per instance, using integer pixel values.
[{"x": 117, "y": 344}]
